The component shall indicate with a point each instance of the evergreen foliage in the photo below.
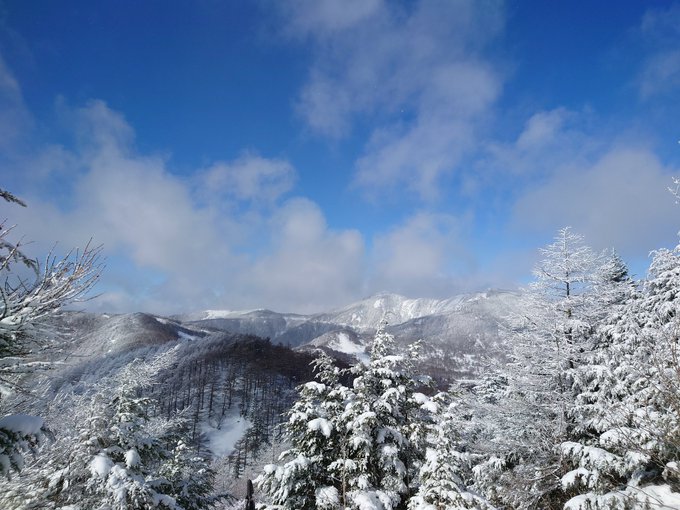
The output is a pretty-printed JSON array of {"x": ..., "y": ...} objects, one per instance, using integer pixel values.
[
  {"x": 369, "y": 446},
  {"x": 117, "y": 457},
  {"x": 629, "y": 409}
]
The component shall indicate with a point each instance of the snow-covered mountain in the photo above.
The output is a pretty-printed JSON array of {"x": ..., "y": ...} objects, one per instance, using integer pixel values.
[
  {"x": 452, "y": 330},
  {"x": 231, "y": 383},
  {"x": 456, "y": 335},
  {"x": 365, "y": 315}
]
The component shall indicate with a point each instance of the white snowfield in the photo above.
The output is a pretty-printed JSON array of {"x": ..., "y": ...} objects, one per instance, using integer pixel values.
[{"x": 221, "y": 440}]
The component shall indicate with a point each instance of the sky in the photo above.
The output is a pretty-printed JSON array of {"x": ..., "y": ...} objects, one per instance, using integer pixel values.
[{"x": 300, "y": 155}]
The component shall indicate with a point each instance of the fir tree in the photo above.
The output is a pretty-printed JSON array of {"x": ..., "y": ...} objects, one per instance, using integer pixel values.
[
  {"x": 441, "y": 476},
  {"x": 308, "y": 476},
  {"x": 629, "y": 407},
  {"x": 363, "y": 447}
]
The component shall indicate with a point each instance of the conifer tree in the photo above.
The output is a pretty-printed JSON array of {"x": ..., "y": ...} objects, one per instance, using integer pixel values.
[
  {"x": 441, "y": 476},
  {"x": 116, "y": 457},
  {"x": 630, "y": 406},
  {"x": 364, "y": 447},
  {"x": 309, "y": 476},
  {"x": 378, "y": 446}
]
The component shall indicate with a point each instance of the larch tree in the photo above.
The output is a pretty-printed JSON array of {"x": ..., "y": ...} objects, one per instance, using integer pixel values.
[{"x": 534, "y": 401}]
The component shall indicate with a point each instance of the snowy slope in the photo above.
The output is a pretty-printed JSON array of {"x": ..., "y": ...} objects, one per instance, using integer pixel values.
[
  {"x": 446, "y": 320},
  {"x": 342, "y": 343},
  {"x": 97, "y": 334},
  {"x": 366, "y": 314}
]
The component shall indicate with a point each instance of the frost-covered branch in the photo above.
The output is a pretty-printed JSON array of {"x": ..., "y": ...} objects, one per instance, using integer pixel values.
[{"x": 30, "y": 295}]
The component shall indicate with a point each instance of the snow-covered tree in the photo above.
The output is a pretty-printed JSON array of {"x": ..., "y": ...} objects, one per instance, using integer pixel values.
[
  {"x": 363, "y": 447},
  {"x": 547, "y": 345},
  {"x": 19, "y": 433},
  {"x": 441, "y": 476},
  {"x": 629, "y": 410},
  {"x": 116, "y": 457},
  {"x": 31, "y": 295},
  {"x": 524, "y": 414},
  {"x": 308, "y": 476},
  {"x": 382, "y": 449}
]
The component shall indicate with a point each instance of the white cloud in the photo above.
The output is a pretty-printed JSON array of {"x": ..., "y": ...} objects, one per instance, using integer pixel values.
[
  {"x": 621, "y": 200},
  {"x": 321, "y": 18},
  {"x": 249, "y": 178},
  {"x": 15, "y": 119},
  {"x": 417, "y": 71},
  {"x": 309, "y": 265},
  {"x": 542, "y": 128},
  {"x": 424, "y": 256},
  {"x": 133, "y": 205},
  {"x": 549, "y": 141},
  {"x": 167, "y": 252},
  {"x": 661, "y": 73}
]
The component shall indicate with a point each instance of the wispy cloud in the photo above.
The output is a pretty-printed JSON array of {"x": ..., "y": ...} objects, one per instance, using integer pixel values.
[
  {"x": 250, "y": 178},
  {"x": 418, "y": 72},
  {"x": 15, "y": 119},
  {"x": 420, "y": 256},
  {"x": 308, "y": 263},
  {"x": 661, "y": 69},
  {"x": 619, "y": 200}
]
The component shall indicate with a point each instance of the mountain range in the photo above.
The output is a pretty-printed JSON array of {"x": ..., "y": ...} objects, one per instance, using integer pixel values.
[{"x": 454, "y": 332}]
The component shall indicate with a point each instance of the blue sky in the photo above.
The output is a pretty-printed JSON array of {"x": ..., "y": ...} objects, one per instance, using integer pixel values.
[{"x": 300, "y": 155}]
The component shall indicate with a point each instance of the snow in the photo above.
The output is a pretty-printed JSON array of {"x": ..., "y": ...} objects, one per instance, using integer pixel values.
[
  {"x": 22, "y": 424},
  {"x": 185, "y": 336},
  {"x": 425, "y": 402},
  {"x": 320, "y": 424},
  {"x": 165, "y": 500},
  {"x": 327, "y": 497},
  {"x": 132, "y": 458},
  {"x": 660, "y": 496},
  {"x": 100, "y": 466},
  {"x": 368, "y": 501},
  {"x": 217, "y": 314},
  {"x": 570, "y": 479},
  {"x": 221, "y": 440},
  {"x": 343, "y": 343}
]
